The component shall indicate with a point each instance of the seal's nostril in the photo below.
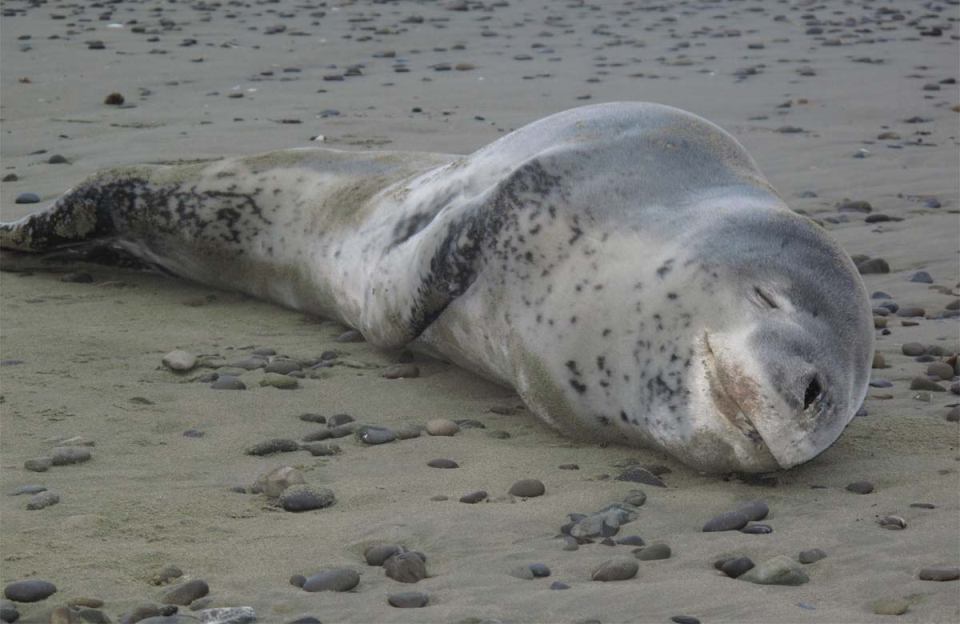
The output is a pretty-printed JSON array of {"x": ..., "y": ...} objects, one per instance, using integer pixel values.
[{"x": 813, "y": 391}]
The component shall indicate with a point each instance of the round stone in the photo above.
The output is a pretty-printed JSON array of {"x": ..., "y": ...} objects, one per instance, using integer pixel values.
[
  {"x": 528, "y": 488},
  {"x": 522, "y": 572},
  {"x": 31, "y": 590},
  {"x": 376, "y": 435},
  {"x": 42, "y": 500},
  {"x": 653, "y": 552},
  {"x": 684, "y": 619},
  {"x": 540, "y": 570},
  {"x": 297, "y": 580},
  {"x": 636, "y": 498},
  {"x": 443, "y": 463},
  {"x": 727, "y": 521},
  {"x": 616, "y": 569},
  {"x": 66, "y": 455},
  {"x": 275, "y": 445},
  {"x": 757, "y": 529},
  {"x": 406, "y": 567},
  {"x": 442, "y": 427},
  {"x": 408, "y": 600},
  {"x": 913, "y": 349},
  {"x": 811, "y": 556},
  {"x": 473, "y": 497},
  {"x": 558, "y": 585},
  {"x": 339, "y": 419},
  {"x": 304, "y": 498},
  {"x": 179, "y": 361},
  {"x": 333, "y": 579},
  {"x": 282, "y": 382},
  {"x": 935, "y": 573},
  {"x": 860, "y": 487},
  {"x": 186, "y": 593},
  {"x": 38, "y": 464},
  {"x": 274, "y": 482},
  {"x": 228, "y": 382},
  {"x": 283, "y": 367},
  {"x": 401, "y": 371},
  {"x": 890, "y": 606},
  {"x": 736, "y": 567},
  {"x": 631, "y": 540},
  {"x": 755, "y": 510},
  {"x": 376, "y": 555},
  {"x": 941, "y": 370},
  {"x": 27, "y": 198}
]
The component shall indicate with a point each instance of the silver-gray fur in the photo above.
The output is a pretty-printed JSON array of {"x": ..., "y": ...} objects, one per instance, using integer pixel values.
[{"x": 625, "y": 267}]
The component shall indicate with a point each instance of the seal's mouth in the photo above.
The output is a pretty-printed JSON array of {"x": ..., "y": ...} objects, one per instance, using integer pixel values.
[{"x": 726, "y": 387}]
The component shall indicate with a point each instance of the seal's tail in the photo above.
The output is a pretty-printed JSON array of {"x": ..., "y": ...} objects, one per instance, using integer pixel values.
[{"x": 79, "y": 217}]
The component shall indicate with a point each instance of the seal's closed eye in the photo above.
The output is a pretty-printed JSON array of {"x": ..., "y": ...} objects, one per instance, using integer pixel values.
[{"x": 812, "y": 392}]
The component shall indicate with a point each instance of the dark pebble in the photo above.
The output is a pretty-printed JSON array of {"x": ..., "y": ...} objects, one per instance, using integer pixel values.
[
  {"x": 727, "y": 521},
  {"x": 42, "y": 500},
  {"x": 443, "y": 463},
  {"x": 314, "y": 418},
  {"x": 653, "y": 552},
  {"x": 923, "y": 505},
  {"x": 351, "y": 335},
  {"x": 559, "y": 585},
  {"x": 636, "y": 474},
  {"x": 527, "y": 488},
  {"x": 334, "y": 579},
  {"x": 376, "y": 435},
  {"x": 319, "y": 449},
  {"x": 38, "y": 464},
  {"x": 631, "y": 540},
  {"x": 376, "y": 555},
  {"x": 616, "y": 569},
  {"x": 228, "y": 382},
  {"x": 27, "y": 198},
  {"x": 755, "y": 510},
  {"x": 473, "y": 497},
  {"x": 860, "y": 487},
  {"x": 935, "y": 573},
  {"x": 339, "y": 419},
  {"x": 469, "y": 423},
  {"x": 922, "y": 277},
  {"x": 401, "y": 371},
  {"x": 405, "y": 567},
  {"x": 10, "y": 177},
  {"x": 8, "y": 611},
  {"x": 911, "y": 312},
  {"x": 757, "y": 529},
  {"x": 873, "y": 266},
  {"x": 297, "y": 580},
  {"x": 540, "y": 570},
  {"x": 913, "y": 349},
  {"x": 114, "y": 99},
  {"x": 58, "y": 159},
  {"x": 282, "y": 367},
  {"x": 66, "y": 455},
  {"x": 811, "y": 556},
  {"x": 408, "y": 600},
  {"x": 303, "y": 498},
  {"x": 568, "y": 467},
  {"x": 849, "y": 205},
  {"x": 31, "y": 590},
  {"x": 276, "y": 445},
  {"x": 734, "y": 566},
  {"x": 684, "y": 619},
  {"x": 186, "y": 593},
  {"x": 922, "y": 383}
]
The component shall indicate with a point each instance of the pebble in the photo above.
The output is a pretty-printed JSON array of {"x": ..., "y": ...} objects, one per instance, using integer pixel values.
[
  {"x": 894, "y": 523},
  {"x": 860, "y": 487},
  {"x": 66, "y": 455},
  {"x": 351, "y": 335},
  {"x": 727, "y": 521},
  {"x": 653, "y": 552},
  {"x": 304, "y": 498},
  {"x": 735, "y": 566},
  {"x": 473, "y": 497},
  {"x": 873, "y": 266},
  {"x": 401, "y": 371},
  {"x": 38, "y": 464},
  {"x": 540, "y": 570},
  {"x": 442, "y": 427},
  {"x": 27, "y": 198},
  {"x": 408, "y": 600},
  {"x": 313, "y": 418},
  {"x": 28, "y": 489},
  {"x": 522, "y": 572},
  {"x": 376, "y": 435},
  {"x": 179, "y": 361},
  {"x": 755, "y": 510},
  {"x": 922, "y": 383},
  {"x": 339, "y": 419},
  {"x": 274, "y": 482},
  {"x": 275, "y": 445},
  {"x": 228, "y": 382},
  {"x": 114, "y": 99},
  {"x": 941, "y": 370},
  {"x": 932, "y": 573},
  {"x": 408, "y": 432},
  {"x": 528, "y": 488},
  {"x": 631, "y": 540},
  {"x": 186, "y": 593},
  {"x": 42, "y": 500},
  {"x": 31, "y": 590},
  {"x": 636, "y": 498},
  {"x": 333, "y": 579},
  {"x": 922, "y": 277},
  {"x": 8, "y": 611},
  {"x": 165, "y": 575},
  {"x": 443, "y": 463},
  {"x": 319, "y": 449},
  {"x": 910, "y": 312},
  {"x": 559, "y": 585},
  {"x": 376, "y": 555},
  {"x": 684, "y": 619},
  {"x": 228, "y": 615},
  {"x": 568, "y": 467},
  {"x": 281, "y": 382},
  {"x": 757, "y": 529},
  {"x": 616, "y": 569},
  {"x": 890, "y": 606},
  {"x": 779, "y": 570},
  {"x": 297, "y": 580},
  {"x": 282, "y": 367},
  {"x": 811, "y": 556},
  {"x": 637, "y": 474},
  {"x": 250, "y": 363},
  {"x": 405, "y": 567}
]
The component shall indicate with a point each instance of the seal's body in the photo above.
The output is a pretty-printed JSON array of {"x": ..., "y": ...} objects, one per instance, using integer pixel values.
[{"x": 625, "y": 267}]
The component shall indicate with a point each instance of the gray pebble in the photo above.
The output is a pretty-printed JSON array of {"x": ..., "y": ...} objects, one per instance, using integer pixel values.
[
  {"x": 936, "y": 573},
  {"x": 941, "y": 370},
  {"x": 297, "y": 580},
  {"x": 637, "y": 474},
  {"x": 779, "y": 570},
  {"x": 540, "y": 570},
  {"x": 339, "y": 419},
  {"x": 8, "y": 611},
  {"x": 893, "y": 523},
  {"x": 811, "y": 556},
  {"x": 283, "y": 367},
  {"x": 727, "y": 521},
  {"x": 406, "y": 567},
  {"x": 522, "y": 572},
  {"x": 319, "y": 449},
  {"x": 333, "y": 579},
  {"x": 38, "y": 464},
  {"x": 922, "y": 277},
  {"x": 443, "y": 463},
  {"x": 408, "y": 432},
  {"x": 473, "y": 497},
  {"x": 27, "y": 198},
  {"x": 653, "y": 552},
  {"x": 757, "y": 529},
  {"x": 351, "y": 335},
  {"x": 684, "y": 619},
  {"x": 43, "y": 500},
  {"x": 401, "y": 371},
  {"x": 251, "y": 363},
  {"x": 185, "y": 593},
  {"x": 408, "y": 600},
  {"x": 179, "y": 361},
  {"x": 873, "y": 266},
  {"x": 631, "y": 540},
  {"x": 376, "y": 435},
  {"x": 275, "y": 445},
  {"x": 344, "y": 430},
  {"x": 616, "y": 569},
  {"x": 28, "y": 489},
  {"x": 281, "y": 382},
  {"x": 636, "y": 498},
  {"x": 313, "y": 418},
  {"x": 527, "y": 488},
  {"x": 922, "y": 383},
  {"x": 30, "y": 590},
  {"x": 299, "y": 498},
  {"x": 316, "y": 436},
  {"x": 755, "y": 510},
  {"x": 228, "y": 382},
  {"x": 66, "y": 455},
  {"x": 860, "y": 487},
  {"x": 228, "y": 615},
  {"x": 559, "y": 585},
  {"x": 735, "y": 566},
  {"x": 376, "y": 555}
]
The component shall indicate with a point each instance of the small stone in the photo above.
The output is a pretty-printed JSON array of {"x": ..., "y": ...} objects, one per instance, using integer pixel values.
[
  {"x": 653, "y": 552},
  {"x": 376, "y": 435},
  {"x": 249, "y": 364},
  {"x": 66, "y": 455},
  {"x": 930, "y": 573},
  {"x": 165, "y": 575},
  {"x": 910, "y": 312},
  {"x": 376, "y": 555},
  {"x": 755, "y": 510},
  {"x": 757, "y": 529},
  {"x": 616, "y": 569},
  {"x": 443, "y": 463},
  {"x": 313, "y": 418},
  {"x": 527, "y": 488},
  {"x": 848, "y": 205},
  {"x": 636, "y": 474},
  {"x": 442, "y": 427},
  {"x": 922, "y": 383},
  {"x": 282, "y": 382},
  {"x": 559, "y": 585},
  {"x": 282, "y": 367},
  {"x": 27, "y": 198},
  {"x": 636, "y": 498},
  {"x": 275, "y": 445},
  {"x": 339, "y": 419},
  {"x": 333, "y": 579},
  {"x": 779, "y": 570},
  {"x": 913, "y": 349},
  {"x": 540, "y": 570},
  {"x": 228, "y": 382},
  {"x": 890, "y": 606},
  {"x": 300, "y": 498},
  {"x": 31, "y": 590},
  {"x": 228, "y": 615},
  {"x": 408, "y": 600},
  {"x": 401, "y": 371},
  {"x": 941, "y": 370},
  {"x": 860, "y": 487},
  {"x": 297, "y": 580},
  {"x": 28, "y": 489},
  {"x": 42, "y": 500},
  {"x": 522, "y": 572},
  {"x": 727, "y": 521},
  {"x": 274, "y": 482},
  {"x": 319, "y": 449},
  {"x": 684, "y": 619},
  {"x": 735, "y": 567},
  {"x": 873, "y": 266},
  {"x": 351, "y": 335},
  {"x": 186, "y": 593},
  {"x": 8, "y": 611},
  {"x": 568, "y": 467},
  {"x": 408, "y": 432},
  {"x": 894, "y": 523},
  {"x": 10, "y": 177},
  {"x": 922, "y": 277},
  {"x": 473, "y": 497},
  {"x": 631, "y": 540},
  {"x": 811, "y": 556},
  {"x": 114, "y": 99},
  {"x": 38, "y": 464},
  {"x": 405, "y": 567}
]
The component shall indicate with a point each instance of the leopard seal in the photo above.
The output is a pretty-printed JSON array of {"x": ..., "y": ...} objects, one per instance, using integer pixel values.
[{"x": 624, "y": 266}]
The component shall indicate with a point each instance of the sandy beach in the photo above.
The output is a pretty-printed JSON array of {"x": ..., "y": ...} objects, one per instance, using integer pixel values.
[{"x": 834, "y": 100}]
